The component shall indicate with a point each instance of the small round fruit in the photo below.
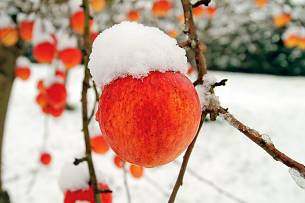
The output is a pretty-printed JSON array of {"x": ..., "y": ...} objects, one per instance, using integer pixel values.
[
  {"x": 56, "y": 95},
  {"x": 44, "y": 52},
  {"x": 136, "y": 171},
  {"x": 99, "y": 144},
  {"x": 45, "y": 158},
  {"x": 22, "y": 73},
  {"x": 118, "y": 162}
]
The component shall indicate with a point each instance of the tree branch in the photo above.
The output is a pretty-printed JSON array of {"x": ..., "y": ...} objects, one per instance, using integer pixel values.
[
  {"x": 260, "y": 141},
  {"x": 201, "y": 2},
  {"x": 95, "y": 101},
  {"x": 186, "y": 158},
  {"x": 86, "y": 85}
]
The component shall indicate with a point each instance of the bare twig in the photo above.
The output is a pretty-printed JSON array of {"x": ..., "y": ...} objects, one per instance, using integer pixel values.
[
  {"x": 87, "y": 45},
  {"x": 201, "y": 2},
  {"x": 95, "y": 101},
  {"x": 260, "y": 141},
  {"x": 126, "y": 183},
  {"x": 196, "y": 45},
  {"x": 186, "y": 158},
  {"x": 184, "y": 44}
]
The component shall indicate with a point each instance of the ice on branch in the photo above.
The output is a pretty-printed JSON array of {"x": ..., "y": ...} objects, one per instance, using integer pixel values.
[
  {"x": 133, "y": 49},
  {"x": 207, "y": 99},
  {"x": 298, "y": 178}
]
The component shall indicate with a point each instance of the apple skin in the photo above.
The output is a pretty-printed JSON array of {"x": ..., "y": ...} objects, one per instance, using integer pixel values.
[{"x": 149, "y": 121}]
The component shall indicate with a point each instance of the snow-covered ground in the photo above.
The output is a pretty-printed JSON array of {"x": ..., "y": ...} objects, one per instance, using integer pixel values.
[{"x": 273, "y": 105}]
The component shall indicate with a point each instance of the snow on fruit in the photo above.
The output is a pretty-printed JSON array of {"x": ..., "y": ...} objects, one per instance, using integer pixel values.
[
  {"x": 74, "y": 182},
  {"x": 149, "y": 110},
  {"x": 22, "y": 70}
]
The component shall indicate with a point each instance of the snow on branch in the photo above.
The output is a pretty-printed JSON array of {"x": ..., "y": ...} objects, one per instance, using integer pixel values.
[{"x": 264, "y": 143}]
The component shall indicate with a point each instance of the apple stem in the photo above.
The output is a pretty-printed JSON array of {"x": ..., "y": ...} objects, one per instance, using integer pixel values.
[{"x": 85, "y": 87}]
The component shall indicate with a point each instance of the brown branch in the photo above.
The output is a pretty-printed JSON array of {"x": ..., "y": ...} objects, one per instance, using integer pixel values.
[
  {"x": 86, "y": 85},
  {"x": 260, "y": 141},
  {"x": 95, "y": 101},
  {"x": 186, "y": 158},
  {"x": 184, "y": 44},
  {"x": 201, "y": 2},
  {"x": 196, "y": 45}
]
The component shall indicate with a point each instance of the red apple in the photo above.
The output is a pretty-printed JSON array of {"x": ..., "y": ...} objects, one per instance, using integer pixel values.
[{"x": 151, "y": 120}]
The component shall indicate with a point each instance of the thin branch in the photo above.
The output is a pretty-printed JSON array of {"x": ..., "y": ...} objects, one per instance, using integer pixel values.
[
  {"x": 211, "y": 184},
  {"x": 196, "y": 45},
  {"x": 85, "y": 121},
  {"x": 186, "y": 158},
  {"x": 126, "y": 184},
  {"x": 95, "y": 101},
  {"x": 260, "y": 141},
  {"x": 184, "y": 44},
  {"x": 201, "y": 2}
]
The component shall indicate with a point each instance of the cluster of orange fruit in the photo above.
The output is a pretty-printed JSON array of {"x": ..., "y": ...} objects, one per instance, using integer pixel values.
[
  {"x": 100, "y": 146},
  {"x": 52, "y": 98},
  {"x": 9, "y": 34}
]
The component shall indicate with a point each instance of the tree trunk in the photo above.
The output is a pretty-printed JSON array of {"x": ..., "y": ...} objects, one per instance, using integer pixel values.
[{"x": 7, "y": 66}]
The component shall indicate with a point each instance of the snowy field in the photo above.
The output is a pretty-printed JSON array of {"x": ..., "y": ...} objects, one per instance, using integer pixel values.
[{"x": 273, "y": 105}]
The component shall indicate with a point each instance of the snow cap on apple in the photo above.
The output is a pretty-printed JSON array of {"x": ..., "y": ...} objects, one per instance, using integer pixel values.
[
  {"x": 133, "y": 49},
  {"x": 149, "y": 111}
]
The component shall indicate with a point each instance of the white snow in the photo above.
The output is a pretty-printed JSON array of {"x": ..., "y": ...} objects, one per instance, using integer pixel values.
[
  {"x": 5, "y": 20},
  {"x": 66, "y": 40},
  {"x": 23, "y": 61},
  {"x": 206, "y": 98},
  {"x": 73, "y": 177},
  {"x": 221, "y": 154},
  {"x": 298, "y": 178},
  {"x": 42, "y": 31},
  {"x": 133, "y": 49}
]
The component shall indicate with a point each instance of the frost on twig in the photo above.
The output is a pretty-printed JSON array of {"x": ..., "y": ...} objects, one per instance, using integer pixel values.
[
  {"x": 208, "y": 100},
  {"x": 298, "y": 177}
]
